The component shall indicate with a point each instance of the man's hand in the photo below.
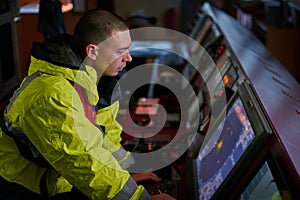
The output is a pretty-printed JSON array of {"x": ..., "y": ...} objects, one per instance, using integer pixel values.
[
  {"x": 150, "y": 176},
  {"x": 145, "y": 176}
]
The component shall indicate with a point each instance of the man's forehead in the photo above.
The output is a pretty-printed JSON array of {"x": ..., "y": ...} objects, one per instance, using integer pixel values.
[
  {"x": 118, "y": 38},
  {"x": 117, "y": 34}
]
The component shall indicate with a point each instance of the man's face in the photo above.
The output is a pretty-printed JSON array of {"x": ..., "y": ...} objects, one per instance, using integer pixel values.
[{"x": 114, "y": 53}]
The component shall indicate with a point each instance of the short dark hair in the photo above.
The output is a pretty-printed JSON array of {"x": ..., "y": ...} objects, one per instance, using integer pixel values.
[{"x": 95, "y": 26}]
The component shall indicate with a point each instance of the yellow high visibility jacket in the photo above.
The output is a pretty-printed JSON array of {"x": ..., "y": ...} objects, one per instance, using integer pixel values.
[
  {"x": 107, "y": 109},
  {"x": 49, "y": 111},
  {"x": 106, "y": 117}
]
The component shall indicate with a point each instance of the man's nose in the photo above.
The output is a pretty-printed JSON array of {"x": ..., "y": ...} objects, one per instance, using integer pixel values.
[{"x": 128, "y": 57}]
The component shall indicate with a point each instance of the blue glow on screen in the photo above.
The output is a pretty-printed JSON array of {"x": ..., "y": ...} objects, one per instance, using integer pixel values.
[{"x": 214, "y": 166}]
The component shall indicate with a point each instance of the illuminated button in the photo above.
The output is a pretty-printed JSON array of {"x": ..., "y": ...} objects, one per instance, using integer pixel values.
[
  {"x": 140, "y": 108},
  {"x": 226, "y": 79}
]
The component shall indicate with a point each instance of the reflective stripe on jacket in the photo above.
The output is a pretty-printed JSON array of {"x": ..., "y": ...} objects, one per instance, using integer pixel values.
[
  {"x": 50, "y": 112},
  {"x": 106, "y": 117}
]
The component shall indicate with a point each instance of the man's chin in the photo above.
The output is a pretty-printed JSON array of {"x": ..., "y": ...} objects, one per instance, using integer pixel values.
[{"x": 113, "y": 74}]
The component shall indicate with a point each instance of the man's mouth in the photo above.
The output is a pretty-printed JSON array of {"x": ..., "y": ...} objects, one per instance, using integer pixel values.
[{"x": 121, "y": 68}]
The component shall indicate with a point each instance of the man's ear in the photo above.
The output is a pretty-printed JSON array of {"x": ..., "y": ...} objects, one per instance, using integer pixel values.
[{"x": 92, "y": 51}]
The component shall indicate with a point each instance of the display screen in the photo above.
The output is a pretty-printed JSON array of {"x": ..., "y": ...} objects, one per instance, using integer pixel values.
[
  {"x": 223, "y": 150},
  {"x": 201, "y": 33},
  {"x": 262, "y": 186},
  {"x": 211, "y": 36}
]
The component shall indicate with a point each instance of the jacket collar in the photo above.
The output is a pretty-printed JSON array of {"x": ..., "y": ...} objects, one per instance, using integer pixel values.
[{"x": 86, "y": 76}]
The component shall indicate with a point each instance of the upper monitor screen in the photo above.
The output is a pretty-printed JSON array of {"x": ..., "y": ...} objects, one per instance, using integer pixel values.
[{"x": 225, "y": 147}]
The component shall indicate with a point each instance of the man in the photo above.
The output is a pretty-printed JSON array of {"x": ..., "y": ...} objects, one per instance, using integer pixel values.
[{"x": 50, "y": 141}]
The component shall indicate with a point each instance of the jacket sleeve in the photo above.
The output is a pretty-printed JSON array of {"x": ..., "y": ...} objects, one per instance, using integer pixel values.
[
  {"x": 58, "y": 128},
  {"x": 106, "y": 118}
]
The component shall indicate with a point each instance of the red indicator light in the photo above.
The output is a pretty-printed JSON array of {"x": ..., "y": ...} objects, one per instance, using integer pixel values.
[
  {"x": 226, "y": 79},
  {"x": 149, "y": 147},
  {"x": 140, "y": 108},
  {"x": 148, "y": 108},
  {"x": 220, "y": 93},
  {"x": 220, "y": 49},
  {"x": 152, "y": 112}
]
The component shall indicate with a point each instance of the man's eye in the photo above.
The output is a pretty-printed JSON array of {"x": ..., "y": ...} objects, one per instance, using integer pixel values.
[{"x": 121, "y": 51}]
